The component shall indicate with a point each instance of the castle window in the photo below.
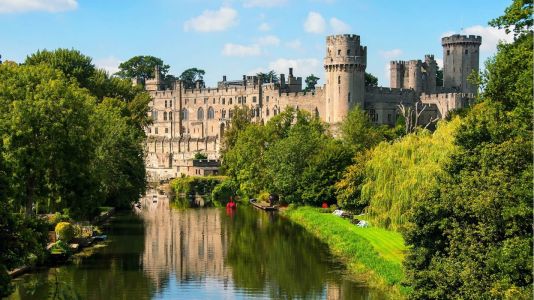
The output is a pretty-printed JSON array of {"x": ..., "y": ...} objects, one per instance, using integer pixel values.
[
  {"x": 338, "y": 51},
  {"x": 267, "y": 112},
  {"x": 223, "y": 113},
  {"x": 339, "y": 80},
  {"x": 448, "y": 52},
  {"x": 245, "y": 100},
  {"x": 466, "y": 51},
  {"x": 184, "y": 114},
  {"x": 230, "y": 101},
  {"x": 230, "y": 113},
  {"x": 165, "y": 103},
  {"x": 155, "y": 115},
  {"x": 211, "y": 113},
  {"x": 170, "y": 115},
  {"x": 348, "y": 51},
  {"x": 170, "y": 103},
  {"x": 267, "y": 99},
  {"x": 156, "y": 130},
  {"x": 205, "y": 100},
  {"x": 213, "y": 100},
  {"x": 348, "y": 97},
  {"x": 166, "y": 130},
  {"x": 223, "y": 100},
  {"x": 200, "y": 114},
  {"x": 165, "y": 116},
  {"x": 195, "y": 101},
  {"x": 254, "y": 99}
]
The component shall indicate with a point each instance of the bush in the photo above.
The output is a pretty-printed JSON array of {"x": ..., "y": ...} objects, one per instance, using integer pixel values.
[
  {"x": 64, "y": 231},
  {"x": 263, "y": 197},
  {"x": 223, "y": 191}
]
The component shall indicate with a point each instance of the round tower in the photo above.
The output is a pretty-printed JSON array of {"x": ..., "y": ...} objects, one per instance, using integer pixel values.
[
  {"x": 460, "y": 58},
  {"x": 344, "y": 63}
]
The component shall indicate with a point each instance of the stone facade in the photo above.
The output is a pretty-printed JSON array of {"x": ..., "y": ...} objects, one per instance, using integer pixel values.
[{"x": 187, "y": 121}]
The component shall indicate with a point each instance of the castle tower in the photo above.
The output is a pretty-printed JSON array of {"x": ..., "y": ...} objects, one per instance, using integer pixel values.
[
  {"x": 344, "y": 64},
  {"x": 460, "y": 58},
  {"x": 396, "y": 74},
  {"x": 431, "y": 68},
  {"x": 412, "y": 77}
]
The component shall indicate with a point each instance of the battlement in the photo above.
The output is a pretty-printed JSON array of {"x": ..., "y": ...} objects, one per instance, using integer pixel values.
[
  {"x": 386, "y": 90},
  {"x": 429, "y": 57},
  {"x": 445, "y": 96},
  {"x": 342, "y": 38},
  {"x": 458, "y": 39}
]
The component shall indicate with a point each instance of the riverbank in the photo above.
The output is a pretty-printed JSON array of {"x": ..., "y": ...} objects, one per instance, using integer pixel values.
[{"x": 373, "y": 253}]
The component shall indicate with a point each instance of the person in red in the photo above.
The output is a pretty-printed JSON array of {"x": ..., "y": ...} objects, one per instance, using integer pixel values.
[
  {"x": 231, "y": 204},
  {"x": 325, "y": 205}
]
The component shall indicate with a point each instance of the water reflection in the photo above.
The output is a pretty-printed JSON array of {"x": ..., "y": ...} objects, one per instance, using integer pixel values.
[{"x": 162, "y": 253}]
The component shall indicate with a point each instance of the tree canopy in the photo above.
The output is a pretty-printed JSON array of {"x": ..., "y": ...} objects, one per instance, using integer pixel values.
[
  {"x": 142, "y": 66},
  {"x": 190, "y": 76},
  {"x": 311, "y": 82}
]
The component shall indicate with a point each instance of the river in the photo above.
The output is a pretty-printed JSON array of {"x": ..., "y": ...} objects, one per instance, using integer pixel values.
[{"x": 158, "y": 252}]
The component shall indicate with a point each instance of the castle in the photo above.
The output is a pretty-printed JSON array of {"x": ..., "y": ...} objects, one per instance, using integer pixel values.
[{"x": 189, "y": 121}]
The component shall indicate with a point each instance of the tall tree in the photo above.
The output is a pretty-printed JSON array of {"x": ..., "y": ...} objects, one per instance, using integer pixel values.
[
  {"x": 473, "y": 235},
  {"x": 311, "y": 82},
  {"x": 142, "y": 66},
  {"x": 371, "y": 80},
  {"x": 190, "y": 76},
  {"x": 270, "y": 76}
]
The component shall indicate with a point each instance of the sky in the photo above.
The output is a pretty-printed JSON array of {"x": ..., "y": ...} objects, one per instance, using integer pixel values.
[{"x": 237, "y": 37}]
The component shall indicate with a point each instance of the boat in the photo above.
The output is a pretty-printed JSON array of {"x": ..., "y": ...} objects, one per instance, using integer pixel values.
[{"x": 263, "y": 207}]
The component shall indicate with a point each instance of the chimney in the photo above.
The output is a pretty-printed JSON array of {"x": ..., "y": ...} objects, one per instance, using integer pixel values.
[
  {"x": 282, "y": 80},
  {"x": 224, "y": 77},
  {"x": 245, "y": 80},
  {"x": 290, "y": 72}
]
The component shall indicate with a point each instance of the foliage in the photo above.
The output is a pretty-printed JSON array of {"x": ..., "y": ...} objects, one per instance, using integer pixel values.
[
  {"x": 473, "y": 233},
  {"x": 200, "y": 155},
  {"x": 370, "y": 80},
  {"x": 186, "y": 186},
  {"x": 357, "y": 131},
  {"x": 311, "y": 82},
  {"x": 64, "y": 231},
  {"x": 517, "y": 18},
  {"x": 268, "y": 77},
  {"x": 222, "y": 192},
  {"x": 240, "y": 120},
  {"x": 190, "y": 76},
  {"x": 142, "y": 66},
  {"x": 402, "y": 173},
  {"x": 366, "y": 250},
  {"x": 439, "y": 77},
  {"x": 349, "y": 188}
]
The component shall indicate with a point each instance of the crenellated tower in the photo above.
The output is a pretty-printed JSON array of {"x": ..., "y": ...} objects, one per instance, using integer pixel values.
[
  {"x": 460, "y": 58},
  {"x": 344, "y": 64}
]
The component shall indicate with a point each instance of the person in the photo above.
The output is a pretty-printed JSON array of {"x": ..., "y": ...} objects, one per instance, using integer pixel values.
[{"x": 231, "y": 204}]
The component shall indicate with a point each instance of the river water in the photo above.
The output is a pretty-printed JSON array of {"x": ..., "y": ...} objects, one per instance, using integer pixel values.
[{"x": 158, "y": 252}]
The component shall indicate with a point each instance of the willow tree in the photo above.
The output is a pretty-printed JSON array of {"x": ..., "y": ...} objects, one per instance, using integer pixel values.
[{"x": 401, "y": 173}]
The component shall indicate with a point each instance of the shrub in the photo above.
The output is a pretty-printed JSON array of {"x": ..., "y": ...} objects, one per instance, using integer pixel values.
[
  {"x": 64, "y": 231},
  {"x": 263, "y": 197},
  {"x": 223, "y": 191}
]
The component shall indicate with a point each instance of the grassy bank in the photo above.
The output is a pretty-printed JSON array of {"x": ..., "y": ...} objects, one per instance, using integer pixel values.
[{"x": 375, "y": 253}]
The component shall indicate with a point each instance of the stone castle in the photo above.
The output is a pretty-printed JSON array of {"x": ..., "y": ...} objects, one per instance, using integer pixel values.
[{"x": 189, "y": 121}]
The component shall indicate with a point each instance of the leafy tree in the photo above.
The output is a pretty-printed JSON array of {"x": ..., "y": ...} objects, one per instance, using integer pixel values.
[
  {"x": 190, "y": 76},
  {"x": 358, "y": 132},
  {"x": 71, "y": 62},
  {"x": 348, "y": 188},
  {"x": 268, "y": 77},
  {"x": 370, "y": 80},
  {"x": 311, "y": 82},
  {"x": 473, "y": 234},
  {"x": 142, "y": 66},
  {"x": 240, "y": 120},
  {"x": 200, "y": 155},
  {"x": 439, "y": 77}
]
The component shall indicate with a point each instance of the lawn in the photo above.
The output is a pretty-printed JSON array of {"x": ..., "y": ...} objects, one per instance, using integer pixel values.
[{"x": 376, "y": 251}]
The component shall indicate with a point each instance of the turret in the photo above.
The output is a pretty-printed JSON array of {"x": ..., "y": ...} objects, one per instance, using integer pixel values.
[
  {"x": 429, "y": 81},
  {"x": 460, "y": 59},
  {"x": 345, "y": 64}
]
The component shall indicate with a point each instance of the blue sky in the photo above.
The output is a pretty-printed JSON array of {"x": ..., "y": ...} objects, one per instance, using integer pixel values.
[{"x": 242, "y": 37}]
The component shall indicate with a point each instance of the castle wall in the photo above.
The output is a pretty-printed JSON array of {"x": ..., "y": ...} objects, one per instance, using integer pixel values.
[{"x": 382, "y": 103}]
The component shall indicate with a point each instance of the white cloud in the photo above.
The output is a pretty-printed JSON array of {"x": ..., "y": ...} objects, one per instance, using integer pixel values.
[
  {"x": 264, "y": 27},
  {"x": 391, "y": 54},
  {"x": 339, "y": 26},
  {"x": 241, "y": 50},
  {"x": 212, "y": 20},
  {"x": 302, "y": 67},
  {"x": 294, "y": 44},
  {"x": 269, "y": 40},
  {"x": 110, "y": 64},
  {"x": 490, "y": 36},
  {"x": 314, "y": 23},
  {"x": 14, "y": 6},
  {"x": 264, "y": 3}
]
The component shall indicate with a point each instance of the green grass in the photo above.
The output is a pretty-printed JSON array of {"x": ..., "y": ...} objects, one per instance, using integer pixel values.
[{"x": 375, "y": 251}]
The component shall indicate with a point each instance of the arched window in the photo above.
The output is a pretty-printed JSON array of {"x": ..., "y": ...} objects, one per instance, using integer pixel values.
[
  {"x": 223, "y": 113},
  {"x": 211, "y": 113},
  {"x": 170, "y": 115},
  {"x": 164, "y": 116},
  {"x": 339, "y": 80},
  {"x": 200, "y": 114},
  {"x": 184, "y": 114}
]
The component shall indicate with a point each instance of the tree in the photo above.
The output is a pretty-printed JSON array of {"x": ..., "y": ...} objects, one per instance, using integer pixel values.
[
  {"x": 142, "y": 66},
  {"x": 370, "y": 80},
  {"x": 439, "y": 77},
  {"x": 311, "y": 82},
  {"x": 190, "y": 76},
  {"x": 357, "y": 131},
  {"x": 240, "y": 120},
  {"x": 473, "y": 234},
  {"x": 71, "y": 62},
  {"x": 270, "y": 76}
]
